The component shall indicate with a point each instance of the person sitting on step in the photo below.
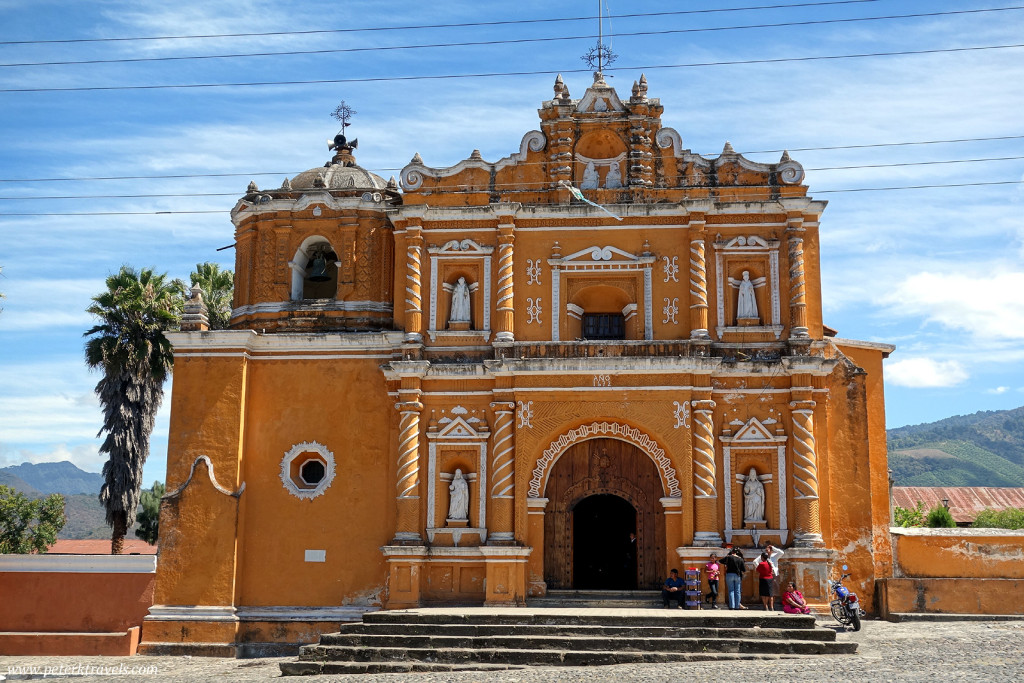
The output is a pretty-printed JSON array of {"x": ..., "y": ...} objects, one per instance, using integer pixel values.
[
  {"x": 793, "y": 601},
  {"x": 673, "y": 589}
]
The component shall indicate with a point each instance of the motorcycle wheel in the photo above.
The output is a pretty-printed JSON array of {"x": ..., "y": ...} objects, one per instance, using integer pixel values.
[
  {"x": 855, "y": 621},
  {"x": 839, "y": 614}
]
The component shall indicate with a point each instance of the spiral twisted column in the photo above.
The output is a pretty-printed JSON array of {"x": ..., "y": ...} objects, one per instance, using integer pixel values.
[
  {"x": 502, "y": 473},
  {"x": 698, "y": 284},
  {"x": 797, "y": 285},
  {"x": 705, "y": 476},
  {"x": 807, "y": 522},
  {"x": 414, "y": 286},
  {"x": 408, "y": 476},
  {"x": 505, "y": 319}
]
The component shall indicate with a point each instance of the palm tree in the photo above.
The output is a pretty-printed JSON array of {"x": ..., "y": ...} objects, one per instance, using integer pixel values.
[
  {"x": 129, "y": 346},
  {"x": 218, "y": 288}
]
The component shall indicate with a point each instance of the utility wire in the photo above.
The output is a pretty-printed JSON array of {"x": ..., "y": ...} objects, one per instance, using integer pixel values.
[
  {"x": 511, "y": 41},
  {"x": 429, "y": 26},
  {"x": 731, "y": 187},
  {"x": 540, "y": 163},
  {"x": 379, "y": 79}
]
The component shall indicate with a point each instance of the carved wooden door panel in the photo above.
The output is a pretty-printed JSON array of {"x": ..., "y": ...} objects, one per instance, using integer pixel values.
[{"x": 605, "y": 466}]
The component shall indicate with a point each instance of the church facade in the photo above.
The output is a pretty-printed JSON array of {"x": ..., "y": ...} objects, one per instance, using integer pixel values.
[{"x": 577, "y": 367}]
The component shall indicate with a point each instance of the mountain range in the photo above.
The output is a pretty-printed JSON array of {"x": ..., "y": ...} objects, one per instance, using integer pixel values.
[{"x": 983, "y": 449}]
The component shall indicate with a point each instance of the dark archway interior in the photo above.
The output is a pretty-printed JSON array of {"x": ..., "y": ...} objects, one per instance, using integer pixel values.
[{"x": 603, "y": 556}]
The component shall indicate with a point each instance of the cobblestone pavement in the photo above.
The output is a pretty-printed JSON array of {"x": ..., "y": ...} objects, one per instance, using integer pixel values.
[{"x": 908, "y": 651}]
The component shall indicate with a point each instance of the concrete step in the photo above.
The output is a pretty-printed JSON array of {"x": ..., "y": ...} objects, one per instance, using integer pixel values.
[
  {"x": 303, "y": 668},
  {"x": 762, "y": 643},
  {"x": 536, "y": 631},
  {"x": 596, "y": 617},
  {"x": 684, "y": 650}
]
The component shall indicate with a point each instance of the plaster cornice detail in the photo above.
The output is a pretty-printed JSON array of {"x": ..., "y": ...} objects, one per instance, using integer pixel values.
[
  {"x": 250, "y": 340},
  {"x": 413, "y": 174},
  {"x": 213, "y": 480}
]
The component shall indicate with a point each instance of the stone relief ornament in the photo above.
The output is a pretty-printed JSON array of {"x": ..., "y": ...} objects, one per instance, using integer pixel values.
[
  {"x": 533, "y": 271},
  {"x": 533, "y": 310},
  {"x": 613, "y": 180},
  {"x": 682, "y": 414},
  {"x": 671, "y": 268},
  {"x": 590, "y": 180},
  {"x": 671, "y": 310},
  {"x": 525, "y": 414}
]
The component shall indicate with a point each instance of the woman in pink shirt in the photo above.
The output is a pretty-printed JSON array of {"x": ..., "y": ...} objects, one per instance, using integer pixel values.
[
  {"x": 793, "y": 601},
  {"x": 712, "y": 569}
]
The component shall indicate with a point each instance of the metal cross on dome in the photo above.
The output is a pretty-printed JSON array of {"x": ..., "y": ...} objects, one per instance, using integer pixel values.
[
  {"x": 343, "y": 113},
  {"x": 600, "y": 55}
]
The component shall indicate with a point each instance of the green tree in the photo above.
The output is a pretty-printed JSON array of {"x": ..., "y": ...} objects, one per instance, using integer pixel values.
[
  {"x": 28, "y": 524},
  {"x": 1010, "y": 518},
  {"x": 909, "y": 516},
  {"x": 939, "y": 517},
  {"x": 130, "y": 348},
  {"x": 217, "y": 286},
  {"x": 149, "y": 513}
]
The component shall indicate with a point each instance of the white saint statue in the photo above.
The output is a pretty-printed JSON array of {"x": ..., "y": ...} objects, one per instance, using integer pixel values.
[
  {"x": 753, "y": 498},
  {"x": 746, "y": 301},
  {"x": 614, "y": 178},
  {"x": 458, "y": 505},
  {"x": 590, "y": 179},
  {"x": 460, "y": 302}
]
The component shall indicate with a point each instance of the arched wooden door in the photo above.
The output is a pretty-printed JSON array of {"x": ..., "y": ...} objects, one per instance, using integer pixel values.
[{"x": 598, "y": 489}]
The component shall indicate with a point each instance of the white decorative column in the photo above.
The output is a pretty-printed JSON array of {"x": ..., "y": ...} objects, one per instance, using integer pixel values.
[
  {"x": 705, "y": 479},
  {"x": 797, "y": 284},
  {"x": 505, "y": 322},
  {"x": 502, "y": 474},
  {"x": 408, "y": 478},
  {"x": 806, "y": 512},
  {"x": 414, "y": 286},
  {"x": 698, "y": 281}
]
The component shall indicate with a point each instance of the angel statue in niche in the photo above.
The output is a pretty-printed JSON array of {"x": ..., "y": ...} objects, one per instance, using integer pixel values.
[{"x": 746, "y": 300}]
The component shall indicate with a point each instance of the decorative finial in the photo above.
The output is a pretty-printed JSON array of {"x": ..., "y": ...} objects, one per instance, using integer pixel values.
[
  {"x": 286, "y": 185},
  {"x": 476, "y": 155},
  {"x": 559, "y": 86},
  {"x": 252, "y": 187},
  {"x": 785, "y": 156},
  {"x": 728, "y": 148},
  {"x": 416, "y": 159},
  {"x": 643, "y": 85},
  {"x": 556, "y": 250},
  {"x": 636, "y": 90},
  {"x": 393, "y": 184}
]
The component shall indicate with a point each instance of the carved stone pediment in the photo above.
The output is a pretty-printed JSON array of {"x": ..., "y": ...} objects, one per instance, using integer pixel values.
[{"x": 753, "y": 432}]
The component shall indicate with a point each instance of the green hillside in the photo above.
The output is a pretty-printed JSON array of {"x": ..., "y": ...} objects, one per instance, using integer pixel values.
[{"x": 983, "y": 449}]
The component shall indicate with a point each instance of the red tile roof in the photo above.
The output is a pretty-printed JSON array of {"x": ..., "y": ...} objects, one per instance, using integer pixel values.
[
  {"x": 99, "y": 546},
  {"x": 965, "y": 502}
]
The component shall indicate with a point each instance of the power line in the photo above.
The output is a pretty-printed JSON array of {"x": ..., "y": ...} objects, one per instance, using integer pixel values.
[
  {"x": 854, "y": 189},
  {"x": 429, "y": 26},
  {"x": 708, "y": 155},
  {"x": 378, "y": 79},
  {"x": 510, "y": 41}
]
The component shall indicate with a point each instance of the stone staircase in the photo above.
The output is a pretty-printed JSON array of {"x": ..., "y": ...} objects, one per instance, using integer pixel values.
[{"x": 453, "y": 639}]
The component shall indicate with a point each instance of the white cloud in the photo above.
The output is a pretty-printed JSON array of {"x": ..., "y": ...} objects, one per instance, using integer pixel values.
[
  {"x": 85, "y": 456},
  {"x": 998, "y": 390},
  {"x": 984, "y": 306},
  {"x": 921, "y": 373}
]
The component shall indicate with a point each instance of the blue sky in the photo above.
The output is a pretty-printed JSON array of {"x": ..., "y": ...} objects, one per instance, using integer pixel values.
[{"x": 935, "y": 271}]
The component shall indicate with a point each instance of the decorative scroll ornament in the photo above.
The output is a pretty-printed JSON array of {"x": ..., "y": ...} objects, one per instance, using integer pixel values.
[
  {"x": 525, "y": 414},
  {"x": 533, "y": 310},
  {"x": 682, "y": 414},
  {"x": 671, "y": 268},
  {"x": 533, "y": 271},
  {"x": 671, "y": 310}
]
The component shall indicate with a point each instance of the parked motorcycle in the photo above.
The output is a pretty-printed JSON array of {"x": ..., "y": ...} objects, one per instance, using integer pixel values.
[{"x": 845, "y": 607}]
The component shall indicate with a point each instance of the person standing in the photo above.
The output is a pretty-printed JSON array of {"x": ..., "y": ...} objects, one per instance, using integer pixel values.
[
  {"x": 765, "y": 588},
  {"x": 773, "y": 559},
  {"x": 734, "y": 568},
  {"x": 713, "y": 570}
]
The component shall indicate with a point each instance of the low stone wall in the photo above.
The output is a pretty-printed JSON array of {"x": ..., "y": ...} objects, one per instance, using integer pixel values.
[
  {"x": 67, "y": 604},
  {"x": 954, "y": 571}
]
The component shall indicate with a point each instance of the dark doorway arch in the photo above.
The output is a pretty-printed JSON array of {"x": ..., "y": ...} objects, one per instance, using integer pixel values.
[
  {"x": 604, "y": 557},
  {"x": 604, "y": 468}
]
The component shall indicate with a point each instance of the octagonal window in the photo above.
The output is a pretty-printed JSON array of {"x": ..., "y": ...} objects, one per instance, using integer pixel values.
[{"x": 307, "y": 470}]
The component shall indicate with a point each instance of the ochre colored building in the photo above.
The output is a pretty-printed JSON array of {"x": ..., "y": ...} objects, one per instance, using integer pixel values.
[{"x": 469, "y": 388}]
